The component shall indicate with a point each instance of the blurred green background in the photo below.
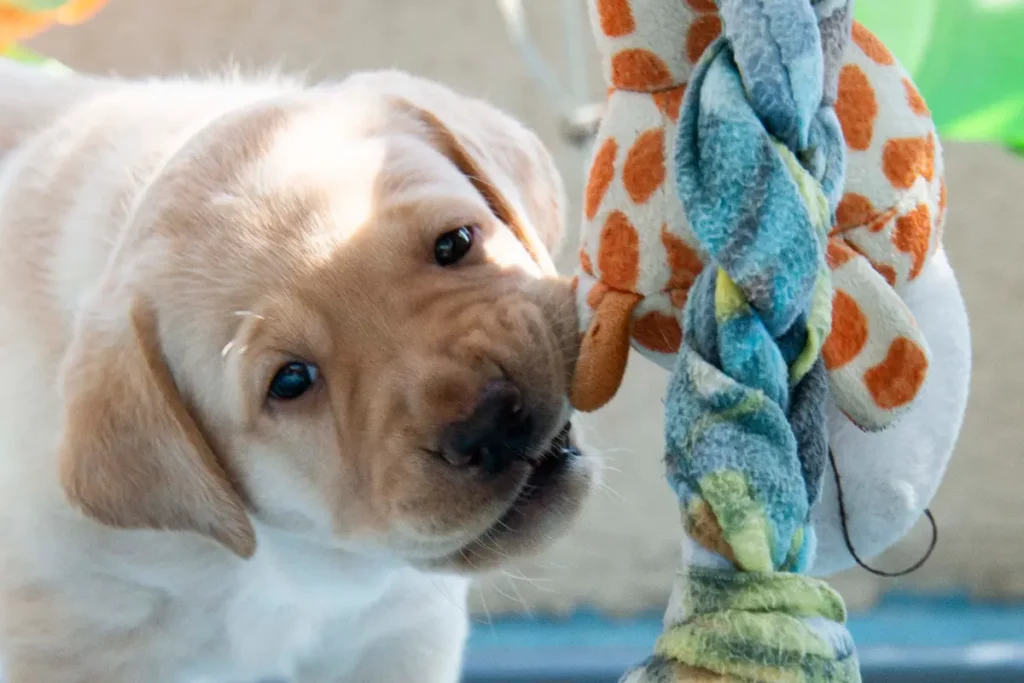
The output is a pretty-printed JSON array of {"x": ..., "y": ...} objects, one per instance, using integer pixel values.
[{"x": 967, "y": 58}]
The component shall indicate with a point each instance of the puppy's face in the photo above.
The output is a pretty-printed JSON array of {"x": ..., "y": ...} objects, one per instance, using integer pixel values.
[{"x": 348, "y": 327}]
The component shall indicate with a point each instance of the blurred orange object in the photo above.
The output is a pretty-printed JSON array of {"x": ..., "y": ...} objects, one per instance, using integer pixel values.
[{"x": 23, "y": 19}]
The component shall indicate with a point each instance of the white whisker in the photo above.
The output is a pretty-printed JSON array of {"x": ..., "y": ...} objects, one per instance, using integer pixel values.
[
  {"x": 515, "y": 589},
  {"x": 519, "y": 599},
  {"x": 535, "y": 582},
  {"x": 249, "y": 314},
  {"x": 487, "y": 610},
  {"x": 442, "y": 589},
  {"x": 604, "y": 487}
]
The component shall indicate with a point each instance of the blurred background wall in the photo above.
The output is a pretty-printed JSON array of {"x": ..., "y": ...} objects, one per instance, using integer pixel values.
[{"x": 623, "y": 553}]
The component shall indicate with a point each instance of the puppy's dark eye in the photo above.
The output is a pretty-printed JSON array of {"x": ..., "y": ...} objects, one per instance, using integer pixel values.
[
  {"x": 293, "y": 380},
  {"x": 452, "y": 246}
]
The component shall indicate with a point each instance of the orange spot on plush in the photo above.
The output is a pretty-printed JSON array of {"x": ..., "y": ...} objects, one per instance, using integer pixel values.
[
  {"x": 702, "y": 5},
  {"x": 879, "y": 221},
  {"x": 616, "y": 17},
  {"x": 658, "y": 332},
  {"x": 702, "y": 33},
  {"x": 888, "y": 272},
  {"x": 678, "y": 298},
  {"x": 869, "y": 43},
  {"x": 638, "y": 69},
  {"x": 618, "y": 257},
  {"x": 856, "y": 107},
  {"x": 911, "y": 236},
  {"x": 670, "y": 101},
  {"x": 574, "y": 284},
  {"x": 940, "y": 222},
  {"x": 928, "y": 171},
  {"x": 602, "y": 171},
  {"x": 895, "y": 381},
  {"x": 644, "y": 170},
  {"x": 905, "y": 159},
  {"x": 854, "y": 210},
  {"x": 914, "y": 99},
  {"x": 585, "y": 262},
  {"x": 683, "y": 262},
  {"x": 838, "y": 253},
  {"x": 849, "y": 331}
]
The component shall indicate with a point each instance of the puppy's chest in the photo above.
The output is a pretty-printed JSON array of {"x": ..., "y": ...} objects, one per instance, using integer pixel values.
[
  {"x": 267, "y": 631},
  {"x": 273, "y": 638}
]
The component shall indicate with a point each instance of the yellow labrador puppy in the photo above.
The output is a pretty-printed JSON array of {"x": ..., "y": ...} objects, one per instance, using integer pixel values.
[{"x": 282, "y": 365}]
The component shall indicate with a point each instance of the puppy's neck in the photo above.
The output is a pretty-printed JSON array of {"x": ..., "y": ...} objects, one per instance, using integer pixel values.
[{"x": 303, "y": 572}]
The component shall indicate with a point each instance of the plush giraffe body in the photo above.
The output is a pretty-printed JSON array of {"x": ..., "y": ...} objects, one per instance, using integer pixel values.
[{"x": 638, "y": 255}]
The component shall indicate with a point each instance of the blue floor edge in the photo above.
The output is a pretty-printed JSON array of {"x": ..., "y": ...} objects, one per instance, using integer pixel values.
[{"x": 905, "y": 638}]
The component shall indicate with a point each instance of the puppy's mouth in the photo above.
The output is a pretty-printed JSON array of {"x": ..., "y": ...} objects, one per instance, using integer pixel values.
[
  {"x": 545, "y": 503},
  {"x": 544, "y": 469}
]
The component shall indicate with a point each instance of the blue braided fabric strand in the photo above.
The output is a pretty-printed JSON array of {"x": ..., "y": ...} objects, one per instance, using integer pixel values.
[{"x": 760, "y": 161}]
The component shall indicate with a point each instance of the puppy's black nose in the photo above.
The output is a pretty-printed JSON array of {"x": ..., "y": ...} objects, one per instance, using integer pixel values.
[{"x": 496, "y": 434}]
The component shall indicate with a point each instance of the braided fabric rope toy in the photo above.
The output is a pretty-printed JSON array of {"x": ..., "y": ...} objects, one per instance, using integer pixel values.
[{"x": 790, "y": 284}]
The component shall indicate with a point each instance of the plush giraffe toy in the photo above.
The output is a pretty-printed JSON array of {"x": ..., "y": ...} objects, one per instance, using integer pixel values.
[
  {"x": 656, "y": 216},
  {"x": 633, "y": 282},
  {"x": 639, "y": 256},
  {"x": 887, "y": 224}
]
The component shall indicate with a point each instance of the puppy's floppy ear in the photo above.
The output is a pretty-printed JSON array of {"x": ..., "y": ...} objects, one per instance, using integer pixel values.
[
  {"x": 131, "y": 455},
  {"x": 507, "y": 163}
]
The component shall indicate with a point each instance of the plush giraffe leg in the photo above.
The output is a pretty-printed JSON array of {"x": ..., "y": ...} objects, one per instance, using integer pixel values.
[{"x": 604, "y": 350}]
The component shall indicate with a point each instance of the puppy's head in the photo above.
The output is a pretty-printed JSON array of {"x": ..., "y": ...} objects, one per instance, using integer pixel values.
[{"x": 336, "y": 314}]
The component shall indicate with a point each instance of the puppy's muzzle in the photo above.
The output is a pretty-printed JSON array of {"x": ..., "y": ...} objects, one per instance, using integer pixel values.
[{"x": 499, "y": 432}]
